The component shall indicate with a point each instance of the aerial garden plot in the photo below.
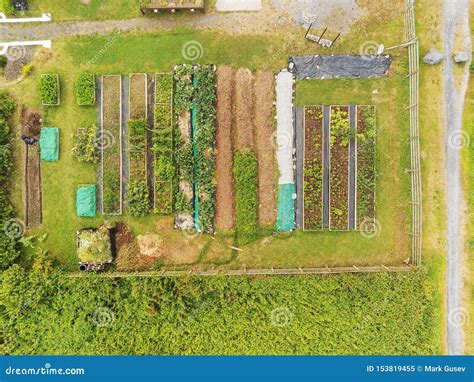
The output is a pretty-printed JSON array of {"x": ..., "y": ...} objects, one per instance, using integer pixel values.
[{"x": 133, "y": 163}]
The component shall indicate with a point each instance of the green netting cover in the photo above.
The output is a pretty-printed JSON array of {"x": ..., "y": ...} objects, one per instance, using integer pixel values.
[
  {"x": 49, "y": 142},
  {"x": 286, "y": 207},
  {"x": 86, "y": 201}
]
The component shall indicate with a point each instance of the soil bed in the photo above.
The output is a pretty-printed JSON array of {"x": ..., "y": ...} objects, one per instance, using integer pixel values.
[{"x": 244, "y": 110}]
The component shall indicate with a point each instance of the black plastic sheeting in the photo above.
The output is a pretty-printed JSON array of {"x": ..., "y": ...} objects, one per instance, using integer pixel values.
[{"x": 339, "y": 66}]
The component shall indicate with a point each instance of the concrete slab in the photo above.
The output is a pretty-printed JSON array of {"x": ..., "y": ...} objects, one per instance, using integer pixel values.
[{"x": 238, "y": 5}]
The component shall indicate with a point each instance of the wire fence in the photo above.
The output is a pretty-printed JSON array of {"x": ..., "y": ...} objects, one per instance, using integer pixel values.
[
  {"x": 415, "y": 170},
  {"x": 251, "y": 272}
]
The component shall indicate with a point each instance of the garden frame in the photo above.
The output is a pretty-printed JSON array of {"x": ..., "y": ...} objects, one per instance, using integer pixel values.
[
  {"x": 330, "y": 170},
  {"x": 120, "y": 211},
  {"x": 357, "y": 165},
  {"x": 155, "y": 180},
  {"x": 145, "y": 118},
  {"x": 304, "y": 167},
  {"x": 58, "y": 84}
]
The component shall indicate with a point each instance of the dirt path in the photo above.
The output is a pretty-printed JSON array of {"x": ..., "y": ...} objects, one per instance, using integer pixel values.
[
  {"x": 244, "y": 109},
  {"x": 275, "y": 16},
  {"x": 264, "y": 131},
  {"x": 225, "y": 198},
  {"x": 456, "y": 37}
]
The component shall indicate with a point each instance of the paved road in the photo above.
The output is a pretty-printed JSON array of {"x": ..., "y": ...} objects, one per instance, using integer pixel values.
[{"x": 456, "y": 24}]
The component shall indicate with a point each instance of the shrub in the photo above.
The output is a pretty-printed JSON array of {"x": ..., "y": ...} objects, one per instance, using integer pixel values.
[
  {"x": 85, "y": 147},
  {"x": 7, "y": 105},
  {"x": 138, "y": 198},
  {"x": 27, "y": 69},
  {"x": 85, "y": 89},
  {"x": 6, "y": 7},
  {"x": 246, "y": 188},
  {"x": 3, "y": 61},
  {"x": 49, "y": 89}
]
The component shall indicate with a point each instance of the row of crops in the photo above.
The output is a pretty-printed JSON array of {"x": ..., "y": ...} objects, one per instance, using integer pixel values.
[
  {"x": 329, "y": 142},
  {"x": 195, "y": 116}
]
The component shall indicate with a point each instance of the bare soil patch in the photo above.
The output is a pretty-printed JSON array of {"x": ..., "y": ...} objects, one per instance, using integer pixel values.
[
  {"x": 32, "y": 192},
  {"x": 225, "y": 198},
  {"x": 264, "y": 129},
  {"x": 244, "y": 109}
]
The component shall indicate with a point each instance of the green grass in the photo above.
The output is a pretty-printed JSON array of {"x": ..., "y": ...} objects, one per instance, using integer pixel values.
[
  {"x": 85, "y": 9},
  {"x": 344, "y": 314}
]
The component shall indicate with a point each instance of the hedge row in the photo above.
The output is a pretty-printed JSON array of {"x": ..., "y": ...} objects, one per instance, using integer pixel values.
[
  {"x": 246, "y": 195},
  {"x": 9, "y": 235}
]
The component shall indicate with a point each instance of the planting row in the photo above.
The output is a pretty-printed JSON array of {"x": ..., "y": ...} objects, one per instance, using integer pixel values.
[
  {"x": 194, "y": 108},
  {"x": 313, "y": 168},
  {"x": 164, "y": 169},
  {"x": 138, "y": 196},
  {"x": 111, "y": 146}
]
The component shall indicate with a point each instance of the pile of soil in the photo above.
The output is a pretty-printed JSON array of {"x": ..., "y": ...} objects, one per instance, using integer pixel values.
[
  {"x": 128, "y": 256},
  {"x": 31, "y": 122}
]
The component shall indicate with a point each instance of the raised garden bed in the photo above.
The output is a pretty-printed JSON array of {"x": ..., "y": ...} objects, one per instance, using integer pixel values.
[
  {"x": 313, "y": 168},
  {"x": 85, "y": 89},
  {"x": 111, "y": 145},
  {"x": 138, "y": 198},
  {"x": 155, "y": 6},
  {"x": 340, "y": 134},
  {"x": 366, "y": 165},
  {"x": 164, "y": 169},
  {"x": 49, "y": 89}
]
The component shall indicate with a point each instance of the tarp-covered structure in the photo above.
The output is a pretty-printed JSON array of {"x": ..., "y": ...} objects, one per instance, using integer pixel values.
[
  {"x": 49, "y": 144},
  {"x": 86, "y": 204},
  {"x": 339, "y": 66}
]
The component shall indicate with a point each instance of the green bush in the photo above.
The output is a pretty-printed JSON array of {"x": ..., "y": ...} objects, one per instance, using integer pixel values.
[
  {"x": 85, "y": 89},
  {"x": 7, "y": 104},
  {"x": 138, "y": 198},
  {"x": 6, "y": 7},
  {"x": 246, "y": 196},
  {"x": 3, "y": 61},
  {"x": 85, "y": 145},
  {"x": 49, "y": 89}
]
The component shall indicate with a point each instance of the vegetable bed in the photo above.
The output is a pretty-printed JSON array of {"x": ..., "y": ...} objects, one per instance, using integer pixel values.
[
  {"x": 313, "y": 168},
  {"x": 138, "y": 195},
  {"x": 111, "y": 121},
  {"x": 85, "y": 89},
  {"x": 366, "y": 164},
  {"x": 49, "y": 89},
  {"x": 164, "y": 169},
  {"x": 340, "y": 134}
]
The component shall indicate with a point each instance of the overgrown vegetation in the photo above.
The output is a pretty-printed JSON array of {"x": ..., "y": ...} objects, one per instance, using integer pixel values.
[
  {"x": 10, "y": 229},
  {"x": 45, "y": 313},
  {"x": 204, "y": 141},
  {"x": 163, "y": 88},
  {"x": 138, "y": 198},
  {"x": 49, "y": 89},
  {"x": 246, "y": 195},
  {"x": 85, "y": 89},
  {"x": 84, "y": 147},
  {"x": 366, "y": 163}
]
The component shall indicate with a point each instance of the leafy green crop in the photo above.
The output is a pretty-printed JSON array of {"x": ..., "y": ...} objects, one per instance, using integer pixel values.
[
  {"x": 138, "y": 198},
  {"x": 49, "y": 89},
  {"x": 85, "y": 89},
  {"x": 85, "y": 145}
]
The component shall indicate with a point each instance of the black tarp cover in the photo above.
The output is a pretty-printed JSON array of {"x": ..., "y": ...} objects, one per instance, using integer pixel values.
[{"x": 339, "y": 66}]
